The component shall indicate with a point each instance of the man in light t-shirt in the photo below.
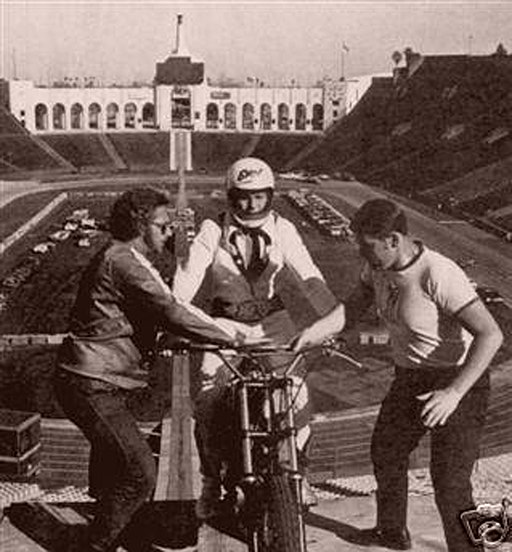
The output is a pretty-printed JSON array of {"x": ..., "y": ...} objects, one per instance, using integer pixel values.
[{"x": 443, "y": 339}]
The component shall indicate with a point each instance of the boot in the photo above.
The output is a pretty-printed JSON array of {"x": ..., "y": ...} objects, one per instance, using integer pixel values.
[{"x": 208, "y": 505}]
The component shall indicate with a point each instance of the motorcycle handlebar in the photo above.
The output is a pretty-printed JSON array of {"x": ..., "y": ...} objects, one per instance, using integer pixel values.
[
  {"x": 257, "y": 348},
  {"x": 330, "y": 347}
]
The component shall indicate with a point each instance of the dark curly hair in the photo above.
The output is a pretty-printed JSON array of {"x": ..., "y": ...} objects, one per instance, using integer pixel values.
[
  {"x": 379, "y": 218},
  {"x": 132, "y": 211}
]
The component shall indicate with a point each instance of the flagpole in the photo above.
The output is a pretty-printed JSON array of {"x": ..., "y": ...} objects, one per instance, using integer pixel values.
[{"x": 342, "y": 62}]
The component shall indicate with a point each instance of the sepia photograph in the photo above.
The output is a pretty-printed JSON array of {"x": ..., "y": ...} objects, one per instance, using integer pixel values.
[{"x": 255, "y": 276}]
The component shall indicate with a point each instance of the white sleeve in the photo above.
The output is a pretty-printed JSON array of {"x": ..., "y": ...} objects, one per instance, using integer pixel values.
[
  {"x": 308, "y": 276},
  {"x": 190, "y": 274},
  {"x": 450, "y": 287}
]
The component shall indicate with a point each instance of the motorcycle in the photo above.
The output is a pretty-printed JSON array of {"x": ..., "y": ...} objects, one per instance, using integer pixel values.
[{"x": 263, "y": 472}]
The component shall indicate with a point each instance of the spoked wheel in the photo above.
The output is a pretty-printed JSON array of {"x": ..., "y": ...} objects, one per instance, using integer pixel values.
[{"x": 281, "y": 528}]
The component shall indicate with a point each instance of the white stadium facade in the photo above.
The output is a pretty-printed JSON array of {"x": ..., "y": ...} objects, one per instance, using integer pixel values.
[{"x": 181, "y": 97}]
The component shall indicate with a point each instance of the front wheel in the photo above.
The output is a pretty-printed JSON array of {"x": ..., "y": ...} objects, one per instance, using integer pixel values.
[{"x": 282, "y": 527}]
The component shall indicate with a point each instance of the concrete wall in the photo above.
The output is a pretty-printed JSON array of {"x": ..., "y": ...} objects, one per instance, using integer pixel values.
[{"x": 13, "y": 341}]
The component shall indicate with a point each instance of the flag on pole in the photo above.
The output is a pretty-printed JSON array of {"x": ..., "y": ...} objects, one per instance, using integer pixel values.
[{"x": 345, "y": 48}]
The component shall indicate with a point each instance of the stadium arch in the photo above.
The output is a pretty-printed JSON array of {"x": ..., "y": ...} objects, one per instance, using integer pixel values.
[
  {"x": 41, "y": 115},
  {"x": 230, "y": 116},
  {"x": 247, "y": 116},
  {"x": 130, "y": 115},
  {"x": 77, "y": 116},
  {"x": 94, "y": 116},
  {"x": 148, "y": 115},
  {"x": 59, "y": 117},
  {"x": 283, "y": 116},
  {"x": 300, "y": 116},
  {"x": 266, "y": 116},
  {"x": 112, "y": 116},
  {"x": 212, "y": 116},
  {"x": 318, "y": 117}
]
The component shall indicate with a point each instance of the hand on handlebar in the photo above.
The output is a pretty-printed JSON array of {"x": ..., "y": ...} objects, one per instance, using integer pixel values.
[
  {"x": 307, "y": 339},
  {"x": 331, "y": 346},
  {"x": 169, "y": 343}
]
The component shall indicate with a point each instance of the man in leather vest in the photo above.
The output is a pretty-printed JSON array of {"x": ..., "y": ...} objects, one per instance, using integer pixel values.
[{"x": 121, "y": 300}]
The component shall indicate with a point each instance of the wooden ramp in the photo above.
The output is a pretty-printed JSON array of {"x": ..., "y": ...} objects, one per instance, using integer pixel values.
[
  {"x": 178, "y": 478},
  {"x": 178, "y": 466},
  {"x": 219, "y": 539}
]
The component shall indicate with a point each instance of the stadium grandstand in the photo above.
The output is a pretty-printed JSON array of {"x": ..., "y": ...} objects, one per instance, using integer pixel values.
[{"x": 435, "y": 128}]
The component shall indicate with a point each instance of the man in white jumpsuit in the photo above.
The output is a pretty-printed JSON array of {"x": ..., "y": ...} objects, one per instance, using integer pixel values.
[{"x": 244, "y": 250}]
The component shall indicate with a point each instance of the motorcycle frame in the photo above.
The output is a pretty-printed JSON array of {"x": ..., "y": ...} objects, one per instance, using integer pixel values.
[{"x": 273, "y": 434}]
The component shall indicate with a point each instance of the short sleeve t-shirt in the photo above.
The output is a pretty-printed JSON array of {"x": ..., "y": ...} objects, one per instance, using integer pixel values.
[{"x": 419, "y": 304}]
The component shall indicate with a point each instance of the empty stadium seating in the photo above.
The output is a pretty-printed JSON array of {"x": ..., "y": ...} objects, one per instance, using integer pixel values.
[
  {"x": 141, "y": 150},
  {"x": 83, "y": 150},
  {"x": 444, "y": 120},
  {"x": 18, "y": 151},
  {"x": 8, "y": 124}
]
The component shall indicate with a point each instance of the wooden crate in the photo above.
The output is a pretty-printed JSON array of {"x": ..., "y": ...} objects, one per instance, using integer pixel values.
[{"x": 20, "y": 443}]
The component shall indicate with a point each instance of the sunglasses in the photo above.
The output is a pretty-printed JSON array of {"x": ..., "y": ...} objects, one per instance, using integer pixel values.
[{"x": 165, "y": 227}]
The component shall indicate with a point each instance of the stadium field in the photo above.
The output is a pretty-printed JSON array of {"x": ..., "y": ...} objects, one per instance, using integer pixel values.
[{"x": 40, "y": 303}]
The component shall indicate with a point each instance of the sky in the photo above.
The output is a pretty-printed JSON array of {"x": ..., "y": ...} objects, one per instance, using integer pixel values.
[{"x": 274, "y": 41}]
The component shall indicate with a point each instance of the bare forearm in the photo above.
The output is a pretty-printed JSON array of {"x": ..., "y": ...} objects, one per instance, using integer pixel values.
[
  {"x": 480, "y": 355},
  {"x": 330, "y": 324}
]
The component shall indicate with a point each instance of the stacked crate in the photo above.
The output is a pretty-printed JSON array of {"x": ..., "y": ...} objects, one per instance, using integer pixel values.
[{"x": 20, "y": 444}]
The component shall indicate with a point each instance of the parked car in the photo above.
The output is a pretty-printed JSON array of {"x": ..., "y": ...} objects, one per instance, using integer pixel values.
[
  {"x": 489, "y": 295},
  {"x": 43, "y": 247},
  {"x": 84, "y": 242}
]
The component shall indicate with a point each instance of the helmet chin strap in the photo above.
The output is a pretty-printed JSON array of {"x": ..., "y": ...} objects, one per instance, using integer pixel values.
[{"x": 255, "y": 222}]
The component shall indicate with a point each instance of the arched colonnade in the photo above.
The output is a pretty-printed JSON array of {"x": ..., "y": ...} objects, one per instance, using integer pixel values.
[
  {"x": 264, "y": 117},
  {"x": 94, "y": 116}
]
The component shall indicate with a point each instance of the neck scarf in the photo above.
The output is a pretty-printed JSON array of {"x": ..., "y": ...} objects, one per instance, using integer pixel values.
[{"x": 258, "y": 260}]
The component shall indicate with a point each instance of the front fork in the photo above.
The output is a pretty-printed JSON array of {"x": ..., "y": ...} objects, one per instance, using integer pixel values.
[{"x": 270, "y": 433}]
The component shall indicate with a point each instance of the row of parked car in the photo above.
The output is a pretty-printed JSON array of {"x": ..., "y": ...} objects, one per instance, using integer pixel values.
[
  {"x": 316, "y": 177},
  {"x": 303, "y": 176},
  {"x": 321, "y": 213},
  {"x": 79, "y": 225}
]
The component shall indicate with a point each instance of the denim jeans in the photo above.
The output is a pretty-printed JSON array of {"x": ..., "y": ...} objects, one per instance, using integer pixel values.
[
  {"x": 122, "y": 470},
  {"x": 454, "y": 450}
]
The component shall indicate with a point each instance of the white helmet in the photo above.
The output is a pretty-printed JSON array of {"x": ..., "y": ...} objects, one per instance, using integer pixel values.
[
  {"x": 250, "y": 173},
  {"x": 243, "y": 177}
]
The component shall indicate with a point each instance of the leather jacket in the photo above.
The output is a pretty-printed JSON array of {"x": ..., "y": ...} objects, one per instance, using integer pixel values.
[{"x": 121, "y": 302}]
